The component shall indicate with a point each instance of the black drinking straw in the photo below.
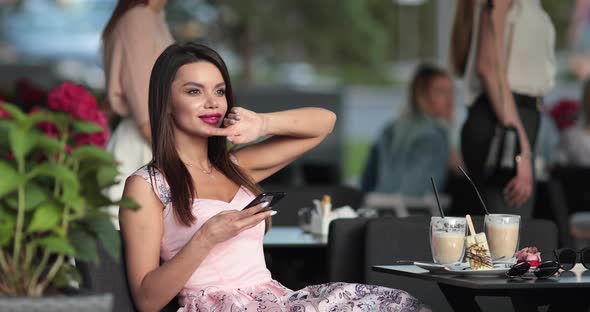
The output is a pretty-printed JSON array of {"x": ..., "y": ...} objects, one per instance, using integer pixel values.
[
  {"x": 437, "y": 200},
  {"x": 476, "y": 191}
]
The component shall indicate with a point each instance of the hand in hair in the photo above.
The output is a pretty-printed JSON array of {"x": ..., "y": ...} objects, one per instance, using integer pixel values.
[
  {"x": 241, "y": 126},
  {"x": 230, "y": 223}
]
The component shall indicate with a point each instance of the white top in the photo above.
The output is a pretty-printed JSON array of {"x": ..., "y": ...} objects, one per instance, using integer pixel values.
[{"x": 529, "y": 49}]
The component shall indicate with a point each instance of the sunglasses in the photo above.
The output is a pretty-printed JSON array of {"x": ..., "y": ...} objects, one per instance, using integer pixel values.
[
  {"x": 543, "y": 270},
  {"x": 568, "y": 258}
]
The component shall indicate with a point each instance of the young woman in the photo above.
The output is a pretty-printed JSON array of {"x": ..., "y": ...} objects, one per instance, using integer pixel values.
[
  {"x": 505, "y": 52},
  {"x": 193, "y": 192},
  {"x": 416, "y": 146},
  {"x": 132, "y": 40}
]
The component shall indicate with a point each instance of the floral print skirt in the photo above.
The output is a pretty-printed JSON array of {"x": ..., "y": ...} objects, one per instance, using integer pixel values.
[{"x": 274, "y": 297}]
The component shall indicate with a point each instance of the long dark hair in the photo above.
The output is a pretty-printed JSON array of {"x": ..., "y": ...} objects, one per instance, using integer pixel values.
[
  {"x": 122, "y": 7},
  {"x": 165, "y": 157},
  {"x": 423, "y": 77},
  {"x": 461, "y": 35}
]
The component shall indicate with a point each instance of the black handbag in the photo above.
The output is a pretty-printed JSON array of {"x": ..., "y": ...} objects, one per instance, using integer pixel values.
[{"x": 500, "y": 166}]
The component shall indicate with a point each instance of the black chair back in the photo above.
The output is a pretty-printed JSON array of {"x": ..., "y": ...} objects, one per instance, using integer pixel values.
[
  {"x": 390, "y": 240},
  {"x": 346, "y": 247},
  {"x": 110, "y": 276},
  {"x": 540, "y": 233},
  {"x": 301, "y": 196},
  {"x": 574, "y": 182}
]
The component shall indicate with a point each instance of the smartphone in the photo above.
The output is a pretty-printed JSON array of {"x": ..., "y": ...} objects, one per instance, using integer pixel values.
[{"x": 266, "y": 197}]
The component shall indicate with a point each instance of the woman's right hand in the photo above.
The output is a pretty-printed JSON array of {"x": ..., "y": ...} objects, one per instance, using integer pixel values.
[
  {"x": 520, "y": 188},
  {"x": 230, "y": 223}
]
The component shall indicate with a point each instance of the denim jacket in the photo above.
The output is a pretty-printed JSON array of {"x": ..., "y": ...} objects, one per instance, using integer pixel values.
[{"x": 404, "y": 157}]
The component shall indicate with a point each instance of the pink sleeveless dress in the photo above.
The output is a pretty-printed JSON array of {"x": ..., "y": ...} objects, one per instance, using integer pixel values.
[{"x": 234, "y": 277}]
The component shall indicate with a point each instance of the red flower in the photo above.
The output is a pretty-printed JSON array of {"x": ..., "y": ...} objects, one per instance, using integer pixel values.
[
  {"x": 98, "y": 139},
  {"x": 73, "y": 99},
  {"x": 564, "y": 113},
  {"x": 3, "y": 113},
  {"x": 530, "y": 255},
  {"x": 47, "y": 127}
]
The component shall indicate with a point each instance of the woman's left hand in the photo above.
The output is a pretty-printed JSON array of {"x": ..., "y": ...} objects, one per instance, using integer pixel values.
[{"x": 241, "y": 126}]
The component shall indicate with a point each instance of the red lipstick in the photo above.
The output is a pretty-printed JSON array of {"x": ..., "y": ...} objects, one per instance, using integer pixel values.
[{"x": 212, "y": 119}]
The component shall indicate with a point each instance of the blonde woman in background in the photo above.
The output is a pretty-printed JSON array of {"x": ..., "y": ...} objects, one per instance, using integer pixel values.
[
  {"x": 416, "y": 146},
  {"x": 133, "y": 39}
]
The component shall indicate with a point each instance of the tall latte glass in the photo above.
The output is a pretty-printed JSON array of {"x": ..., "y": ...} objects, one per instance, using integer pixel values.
[
  {"x": 502, "y": 234},
  {"x": 447, "y": 239}
]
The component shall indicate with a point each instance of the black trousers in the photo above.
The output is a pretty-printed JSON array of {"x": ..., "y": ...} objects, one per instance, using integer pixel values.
[{"x": 476, "y": 137}]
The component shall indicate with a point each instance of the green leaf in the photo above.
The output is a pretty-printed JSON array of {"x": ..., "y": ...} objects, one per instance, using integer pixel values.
[
  {"x": 57, "y": 244},
  {"x": 78, "y": 205},
  {"x": 15, "y": 112},
  {"x": 93, "y": 153},
  {"x": 61, "y": 120},
  {"x": 60, "y": 172},
  {"x": 45, "y": 217},
  {"x": 34, "y": 195},
  {"x": 10, "y": 179},
  {"x": 84, "y": 244},
  {"x": 86, "y": 127},
  {"x": 7, "y": 226},
  {"x": 22, "y": 141},
  {"x": 5, "y": 127},
  {"x": 50, "y": 145},
  {"x": 128, "y": 203},
  {"x": 106, "y": 176},
  {"x": 65, "y": 276},
  {"x": 105, "y": 230},
  {"x": 39, "y": 116}
]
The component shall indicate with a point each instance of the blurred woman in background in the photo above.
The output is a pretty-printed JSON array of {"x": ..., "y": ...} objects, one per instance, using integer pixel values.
[
  {"x": 416, "y": 146},
  {"x": 133, "y": 38},
  {"x": 504, "y": 50}
]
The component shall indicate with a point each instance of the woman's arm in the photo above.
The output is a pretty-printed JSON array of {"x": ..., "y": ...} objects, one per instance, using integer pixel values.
[
  {"x": 152, "y": 285},
  {"x": 491, "y": 68},
  {"x": 139, "y": 55},
  {"x": 293, "y": 132}
]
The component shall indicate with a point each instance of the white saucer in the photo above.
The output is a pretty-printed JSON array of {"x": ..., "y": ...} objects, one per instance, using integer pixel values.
[{"x": 464, "y": 268}]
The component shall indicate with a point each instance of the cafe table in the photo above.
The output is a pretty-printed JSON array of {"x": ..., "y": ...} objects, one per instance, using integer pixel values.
[
  {"x": 293, "y": 237},
  {"x": 570, "y": 291}
]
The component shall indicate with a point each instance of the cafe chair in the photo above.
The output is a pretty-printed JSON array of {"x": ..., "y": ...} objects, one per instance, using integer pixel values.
[
  {"x": 396, "y": 240},
  {"x": 574, "y": 181},
  {"x": 346, "y": 247},
  {"x": 540, "y": 233},
  {"x": 401, "y": 240},
  {"x": 110, "y": 276}
]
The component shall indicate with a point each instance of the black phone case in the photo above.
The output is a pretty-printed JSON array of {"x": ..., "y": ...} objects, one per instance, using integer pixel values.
[{"x": 270, "y": 197}]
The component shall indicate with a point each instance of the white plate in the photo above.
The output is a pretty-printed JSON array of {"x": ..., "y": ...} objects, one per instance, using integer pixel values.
[
  {"x": 440, "y": 268},
  {"x": 499, "y": 269},
  {"x": 463, "y": 269}
]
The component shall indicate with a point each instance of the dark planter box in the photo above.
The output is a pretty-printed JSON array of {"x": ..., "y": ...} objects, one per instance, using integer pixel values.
[{"x": 80, "y": 302}]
